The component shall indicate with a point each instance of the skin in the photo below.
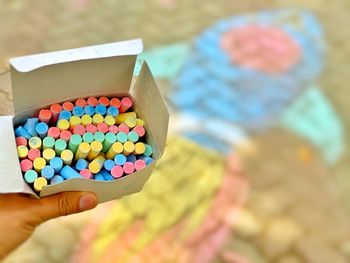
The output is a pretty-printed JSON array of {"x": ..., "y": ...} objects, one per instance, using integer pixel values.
[{"x": 20, "y": 215}]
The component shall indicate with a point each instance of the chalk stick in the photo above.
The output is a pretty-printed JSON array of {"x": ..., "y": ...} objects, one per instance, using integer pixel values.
[
  {"x": 79, "y": 129},
  {"x": 74, "y": 142},
  {"x": 30, "y": 176},
  {"x": 88, "y": 137},
  {"x": 55, "y": 110},
  {"x": 64, "y": 115},
  {"x": 30, "y": 126},
  {"x": 96, "y": 148},
  {"x": 140, "y": 130},
  {"x": 22, "y": 152},
  {"x": 131, "y": 158},
  {"x": 85, "y": 120},
  {"x": 60, "y": 145},
  {"x": 101, "y": 109},
  {"x": 115, "y": 149},
  {"x": 68, "y": 172},
  {"x": 128, "y": 168},
  {"x": 148, "y": 150},
  {"x": 86, "y": 174},
  {"x": 35, "y": 143},
  {"x": 27, "y": 165},
  {"x": 109, "y": 120},
  {"x": 81, "y": 164},
  {"x": 92, "y": 101},
  {"x": 115, "y": 102},
  {"x": 117, "y": 171},
  {"x": 68, "y": 106},
  {"x": 126, "y": 104},
  {"x": 109, "y": 164},
  {"x": 21, "y": 132},
  {"x": 53, "y": 132},
  {"x": 112, "y": 111},
  {"x": 99, "y": 136},
  {"x": 47, "y": 172},
  {"x": 45, "y": 115},
  {"x": 123, "y": 116},
  {"x": 63, "y": 125},
  {"x": 74, "y": 121},
  {"x": 148, "y": 160},
  {"x": 120, "y": 159},
  {"x": 56, "y": 179},
  {"x": 128, "y": 148},
  {"x": 21, "y": 141},
  {"x": 48, "y": 142},
  {"x": 40, "y": 183},
  {"x": 139, "y": 148},
  {"x": 102, "y": 127},
  {"x": 65, "y": 135},
  {"x": 97, "y": 118},
  {"x": 110, "y": 138},
  {"x": 139, "y": 164},
  {"x": 80, "y": 102},
  {"x": 33, "y": 154},
  {"x": 113, "y": 129},
  {"x": 106, "y": 175},
  {"x": 96, "y": 165},
  {"x": 42, "y": 128},
  {"x": 140, "y": 122},
  {"x": 38, "y": 164},
  {"x": 122, "y": 137},
  {"x": 91, "y": 128},
  {"x": 56, "y": 163},
  {"x": 89, "y": 110},
  {"x": 133, "y": 136},
  {"x": 124, "y": 128},
  {"x": 67, "y": 156},
  {"x": 130, "y": 122},
  {"x": 49, "y": 154},
  {"x": 99, "y": 177},
  {"x": 83, "y": 151},
  {"x": 103, "y": 101},
  {"x": 78, "y": 111}
]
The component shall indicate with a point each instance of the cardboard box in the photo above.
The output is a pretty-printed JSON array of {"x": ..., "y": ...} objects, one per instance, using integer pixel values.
[{"x": 43, "y": 79}]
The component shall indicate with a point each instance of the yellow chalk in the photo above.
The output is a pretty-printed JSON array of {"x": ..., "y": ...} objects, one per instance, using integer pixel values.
[
  {"x": 109, "y": 120},
  {"x": 96, "y": 148},
  {"x": 35, "y": 143},
  {"x": 86, "y": 119},
  {"x": 139, "y": 148},
  {"x": 39, "y": 163},
  {"x": 22, "y": 151},
  {"x": 96, "y": 165},
  {"x": 140, "y": 122},
  {"x": 74, "y": 121},
  {"x": 49, "y": 154},
  {"x": 128, "y": 148},
  {"x": 67, "y": 156},
  {"x": 123, "y": 116},
  {"x": 83, "y": 151},
  {"x": 63, "y": 125},
  {"x": 97, "y": 118},
  {"x": 131, "y": 122},
  {"x": 116, "y": 148},
  {"x": 39, "y": 183}
]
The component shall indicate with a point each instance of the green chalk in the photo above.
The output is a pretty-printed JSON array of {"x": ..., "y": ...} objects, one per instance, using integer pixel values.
[
  {"x": 60, "y": 145},
  {"x": 110, "y": 138},
  {"x": 133, "y": 136},
  {"x": 122, "y": 137},
  {"x": 74, "y": 142},
  {"x": 30, "y": 176},
  {"x": 48, "y": 142},
  {"x": 148, "y": 150},
  {"x": 99, "y": 136},
  {"x": 88, "y": 137}
]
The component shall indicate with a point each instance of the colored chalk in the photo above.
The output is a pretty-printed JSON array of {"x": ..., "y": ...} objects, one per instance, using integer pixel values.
[
  {"x": 131, "y": 158},
  {"x": 110, "y": 138},
  {"x": 65, "y": 135},
  {"x": 21, "y": 132},
  {"x": 122, "y": 137},
  {"x": 139, "y": 164},
  {"x": 97, "y": 118},
  {"x": 109, "y": 120},
  {"x": 53, "y": 132},
  {"x": 117, "y": 171},
  {"x": 92, "y": 101},
  {"x": 45, "y": 115},
  {"x": 113, "y": 129},
  {"x": 55, "y": 110},
  {"x": 63, "y": 125},
  {"x": 99, "y": 136},
  {"x": 83, "y": 151},
  {"x": 109, "y": 164},
  {"x": 35, "y": 143},
  {"x": 148, "y": 160},
  {"x": 30, "y": 126},
  {"x": 96, "y": 148},
  {"x": 33, "y": 154},
  {"x": 128, "y": 168},
  {"x": 99, "y": 177},
  {"x": 104, "y": 101},
  {"x": 65, "y": 115},
  {"x": 47, "y": 172},
  {"x": 106, "y": 175},
  {"x": 39, "y": 184},
  {"x": 22, "y": 152},
  {"x": 74, "y": 142},
  {"x": 148, "y": 150},
  {"x": 96, "y": 165},
  {"x": 81, "y": 164},
  {"x": 67, "y": 156},
  {"x": 49, "y": 154},
  {"x": 39, "y": 163},
  {"x": 48, "y": 142},
  {"x": 68, "y": 106},
  {"x": 115, "y": 102},
  {"x": 78, "y": 111},
  {"x": 101, "y": 109},
  {"x": 91, "y": 128},
  {"x": 79, "y": 129},
  {"x": 56, "y": 179},
  {"x": 124, "y": 128},
  {"x": 81, "y": 102},
  {"x": 126, "y": 103},
  {"x": 88, "y": 137},
  {"x": 112, "y": 111},
  {"x": 68, "y": 172},
  {"x": 123, "y": 116},
  {"x": 27, "y": 165},
  {"x": 115, "y": 149},
  {"x": 140, "y": 130},
  {"x": 140, "y": 122},
  {"x": 133, "y": 136},
  {"x": 130, "y": 122},
  {"x": 21, "y": 141},
  {"x": 30, "y": 176},
  {"x": 120, "y": 159},
  {"x": 56, "y": 163},
  {"x": 85, "y": 120},
  {"x": 86, "y": 173},
  {"x": 128, "y": 148},
  {"x": 60, "y": 145},
  {"x": 139, "y": 148},
  {"x": 102, "y": 127},
  {"x": 89, "y": 110},
  {"x": 74, "y": 121}
]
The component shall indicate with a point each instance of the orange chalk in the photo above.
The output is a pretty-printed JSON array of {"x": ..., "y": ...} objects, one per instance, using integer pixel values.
[
  {"x": 104, "y": 101},
  {"x": 68, "y": 106},
  {"x": 55, "y": 110},
  {"x": 45, "y": 115},
  {"x": 115, "y": 102},
  {"x": 92, "y": 101},
  {"x": 81, "y": 102}
]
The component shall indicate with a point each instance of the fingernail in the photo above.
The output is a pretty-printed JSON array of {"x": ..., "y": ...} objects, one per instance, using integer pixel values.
[{"x": 87, "y": 202}]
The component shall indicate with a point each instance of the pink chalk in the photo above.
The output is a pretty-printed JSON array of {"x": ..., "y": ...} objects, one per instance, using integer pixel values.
[
  {"x": 117, "y": 171},
  {"x": 65, "y": 135},
  {"x": 21, "y": 141},
  {"x": 128, "y": 167},
  {"x": 33, "y": 154},
  {"x": 102, "y": 127},
  {"x": 53, "y": 132},
  {"x": 91, "y": 128},
  {"x": 79, "y": 129},
  {"x": 26, "y": 165},
  {"x": 124, "y": 128},
  {"x": 113, "y": 129},
  {"x": 126, "y": 103},
  {"x": 139, "y": 164},
  {"x": 140, "y": 130},
  {"x": 86, "y": 173}
]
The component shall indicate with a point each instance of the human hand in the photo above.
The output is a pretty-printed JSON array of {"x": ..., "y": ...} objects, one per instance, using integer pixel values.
[{"x": 20, "y": 215}]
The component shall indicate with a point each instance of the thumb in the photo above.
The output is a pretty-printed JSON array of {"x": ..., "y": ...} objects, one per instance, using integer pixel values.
[{"x": 63, "y": 204}]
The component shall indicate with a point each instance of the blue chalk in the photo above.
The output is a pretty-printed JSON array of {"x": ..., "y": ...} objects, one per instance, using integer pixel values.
[
  {"x": 112, "y": 111},
  {"x": 48, "y": 172},
  {"x": 41, "y": 129},
  {"x": 131, "y": 158},
  {"x": 68, "y": 172},
  {"x": 30, "y": 126},
  {"x": 20, "y": 131},
  {"x": 78, "y": 111},
  {"x": 120, "y": 159},
  {"x": 108, "y": 164},
  {"x": 89, "y": 110},
  {"x": 148, "y": 160},
  {"x": 99, "y": 177},
  {"x": 57, "y": 179},
  {"x": 56, "y": 163},
  {"x": 81, "y": 164},
  {"x": 64, "y": 114},
  {"x": 106, "y": 175},
  {"x": 101, "y": 109}
]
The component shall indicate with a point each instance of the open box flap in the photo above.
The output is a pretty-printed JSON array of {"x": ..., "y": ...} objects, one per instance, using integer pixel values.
[{"x": 63, "y": 75}]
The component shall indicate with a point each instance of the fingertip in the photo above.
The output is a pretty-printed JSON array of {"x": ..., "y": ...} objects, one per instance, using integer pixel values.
[{"x": 87, "y": 201}]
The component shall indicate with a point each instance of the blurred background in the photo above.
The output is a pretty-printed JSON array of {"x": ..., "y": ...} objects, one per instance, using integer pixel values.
[{"x": 256, "y": 166}]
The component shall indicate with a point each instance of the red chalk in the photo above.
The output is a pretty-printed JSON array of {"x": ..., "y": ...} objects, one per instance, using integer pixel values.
[
  {"x": 86, "y": 173},
  {"x": 65, "y": 135},
  {"x": 92, "y": 101},
  {"x": 79, "y": 129},
  {"x": 33, "y": 154},
  {"x": 126, "y": 103},
  {"x": 68, "y": 106},
  {"x": 102, "y": 127},
  {"x": 45, "y": 115},
  {"x": 123, "y": 128},
  {"x": 21, "y": 141},
  {"x": 117, "y": 171},
  {"x": 128, "y": 167},
  {"x": 113, "y": 129},
  {"x": 91, "y": 128},
  {"x": 81, "y": 102},
  {"x": 140, "y": 130},
  {"x": 104, "y": 101},
  {"x": 115, "y": 102},
  {"x": 55, "y": 110},
  {"x": 139, "y": 164},
  {"x": 26, "y": 165},
  {"x": 53, "y": 132}
]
